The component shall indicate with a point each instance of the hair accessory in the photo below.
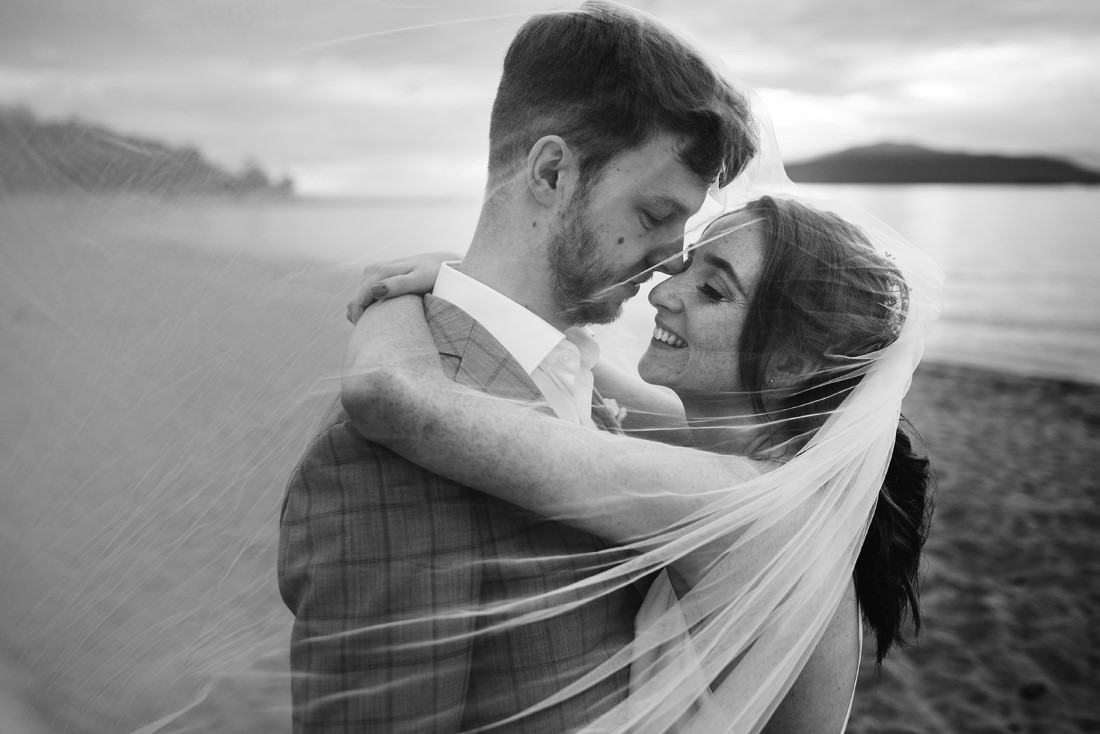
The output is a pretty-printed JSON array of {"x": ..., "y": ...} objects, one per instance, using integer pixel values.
[{"x": 896, "y": 305}]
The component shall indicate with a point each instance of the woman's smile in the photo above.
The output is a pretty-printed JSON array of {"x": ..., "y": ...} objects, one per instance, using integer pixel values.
[
  {"x": 668, "y": 338},
  {"x": 701, "y": 311}
]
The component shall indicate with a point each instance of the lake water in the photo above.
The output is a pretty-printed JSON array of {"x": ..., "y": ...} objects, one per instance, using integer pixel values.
[
  {"x": 155, "y": 402},
  {"x": 1022, "y": 262}
]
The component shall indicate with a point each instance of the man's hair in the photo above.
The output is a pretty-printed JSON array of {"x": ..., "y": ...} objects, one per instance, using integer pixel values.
[{"x": 607, "y": 79}]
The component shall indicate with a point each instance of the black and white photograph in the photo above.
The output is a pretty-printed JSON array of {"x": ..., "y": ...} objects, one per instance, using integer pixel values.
[{"x": 532, "y": 367}]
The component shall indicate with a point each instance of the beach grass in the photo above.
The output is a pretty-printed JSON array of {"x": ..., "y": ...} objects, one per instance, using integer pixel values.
[{"x": 156, "y": 394}]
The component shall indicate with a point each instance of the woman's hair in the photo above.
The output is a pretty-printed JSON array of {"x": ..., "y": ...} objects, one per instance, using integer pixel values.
[{"x": 825, "y": 303}]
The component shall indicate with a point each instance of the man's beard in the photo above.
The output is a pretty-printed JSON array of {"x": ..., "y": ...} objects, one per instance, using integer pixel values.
[{"x": 577, "y": 271}]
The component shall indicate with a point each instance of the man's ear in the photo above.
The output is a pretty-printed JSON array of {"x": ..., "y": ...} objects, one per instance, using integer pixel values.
[{"x": 548, "y": 160}]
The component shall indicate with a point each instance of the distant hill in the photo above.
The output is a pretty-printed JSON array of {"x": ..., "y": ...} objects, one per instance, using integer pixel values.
[
  {"x": 39, "y": 156},
  {"x": 911, "y": 164}
]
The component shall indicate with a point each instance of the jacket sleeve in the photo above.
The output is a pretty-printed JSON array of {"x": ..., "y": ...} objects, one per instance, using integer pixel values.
[{"x": 372, "y": 549}]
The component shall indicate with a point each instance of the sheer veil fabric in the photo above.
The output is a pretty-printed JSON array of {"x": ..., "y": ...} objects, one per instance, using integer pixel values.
[
  {"x": 797, "y": 529},
  {"x": 152, "y": 572},
  {"x": 783, "y": 541}
]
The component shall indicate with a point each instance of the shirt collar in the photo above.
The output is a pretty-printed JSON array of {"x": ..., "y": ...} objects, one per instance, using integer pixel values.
[
  {"x": 528, "y": 338},
  {"x": 585, "y": 340}
]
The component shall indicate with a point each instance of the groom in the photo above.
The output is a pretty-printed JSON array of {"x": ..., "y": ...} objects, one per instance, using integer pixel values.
[{"x": 605, "y": 135}]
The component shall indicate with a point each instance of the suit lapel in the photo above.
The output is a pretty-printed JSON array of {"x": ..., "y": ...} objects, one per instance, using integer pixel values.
[{"x": 478, "y": 359}]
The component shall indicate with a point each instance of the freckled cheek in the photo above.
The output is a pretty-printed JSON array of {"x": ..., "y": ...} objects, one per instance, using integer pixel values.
[{"x": 710, "y": 361}]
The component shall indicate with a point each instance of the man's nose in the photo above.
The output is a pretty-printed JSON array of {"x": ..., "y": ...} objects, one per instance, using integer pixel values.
[{"x": 671, "y": 257}]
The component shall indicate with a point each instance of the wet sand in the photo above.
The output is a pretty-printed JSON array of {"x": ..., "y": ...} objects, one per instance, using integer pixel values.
[
  {"x": 1011, "y": 639},
  {"x": 156, "y": 394}
]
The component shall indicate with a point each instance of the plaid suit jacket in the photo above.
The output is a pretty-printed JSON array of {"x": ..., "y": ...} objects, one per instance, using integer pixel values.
[{"x": 374, "y": 552}]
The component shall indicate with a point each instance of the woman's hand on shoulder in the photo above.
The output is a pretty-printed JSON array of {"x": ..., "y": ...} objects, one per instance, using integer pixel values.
[{"x": 409, "y": 275}]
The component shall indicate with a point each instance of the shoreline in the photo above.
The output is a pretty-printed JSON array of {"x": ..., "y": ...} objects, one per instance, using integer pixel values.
[
  {"x": 946, "y": 368},
  {"x": 265, "y": 233},
  {"x": 155, "y": 373},
  {"x": 949, "y": 363}
]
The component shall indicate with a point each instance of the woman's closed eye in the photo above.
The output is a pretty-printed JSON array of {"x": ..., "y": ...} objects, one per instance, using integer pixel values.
[{"x": 712, "y": 293}]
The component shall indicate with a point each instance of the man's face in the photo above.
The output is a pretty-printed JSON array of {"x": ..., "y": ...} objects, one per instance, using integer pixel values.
[{"x": 628, "y": 218}]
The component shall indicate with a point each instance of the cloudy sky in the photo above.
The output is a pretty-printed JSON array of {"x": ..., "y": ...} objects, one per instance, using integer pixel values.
[{"x": 393, "y": 96}]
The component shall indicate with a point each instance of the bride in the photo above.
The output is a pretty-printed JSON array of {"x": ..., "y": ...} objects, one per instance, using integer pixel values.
[{"x": 770, "y": 504}]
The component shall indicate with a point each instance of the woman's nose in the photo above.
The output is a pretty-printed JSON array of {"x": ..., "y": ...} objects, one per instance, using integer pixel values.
[{"x": 666, "y": 294}]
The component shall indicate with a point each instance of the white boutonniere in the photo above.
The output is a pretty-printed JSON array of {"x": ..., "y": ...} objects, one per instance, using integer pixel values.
[{"x": 615, "y": 409}]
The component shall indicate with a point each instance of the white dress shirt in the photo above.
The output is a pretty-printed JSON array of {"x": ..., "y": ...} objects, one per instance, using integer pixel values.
[{"x": 560, "y": 364}]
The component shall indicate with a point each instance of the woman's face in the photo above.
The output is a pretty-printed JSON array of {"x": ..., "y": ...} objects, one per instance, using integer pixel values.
[{"x": 701, "y": 311}]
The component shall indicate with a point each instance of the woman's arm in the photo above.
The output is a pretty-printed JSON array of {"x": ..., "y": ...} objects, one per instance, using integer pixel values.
[
  {"x": 613, "y": 486},
  {"x": 653, "y": 413}
]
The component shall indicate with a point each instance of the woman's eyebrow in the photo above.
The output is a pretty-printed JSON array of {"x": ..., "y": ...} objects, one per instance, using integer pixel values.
[{"x": 722, "y": 264}]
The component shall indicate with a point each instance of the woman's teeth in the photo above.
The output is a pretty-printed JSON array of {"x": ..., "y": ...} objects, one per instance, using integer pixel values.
[{"x": 667, "y": 337}]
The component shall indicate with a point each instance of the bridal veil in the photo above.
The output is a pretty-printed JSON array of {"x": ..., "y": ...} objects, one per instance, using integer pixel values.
[{"x": 140, "y": 514}]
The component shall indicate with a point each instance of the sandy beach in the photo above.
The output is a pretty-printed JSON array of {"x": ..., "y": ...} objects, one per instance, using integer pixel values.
[
  {"x": 1012, "y": 588},
  {"x": 156, "y": 394}
]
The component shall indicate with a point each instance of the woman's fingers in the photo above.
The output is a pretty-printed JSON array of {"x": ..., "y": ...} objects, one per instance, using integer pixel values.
[
  {"x": 416, "y": 282},
  {"x": 370, "y": 288},
  {"x": 373, "y": 289},
  {"x": 413, "y": 275},
  {"x": 360, "y": 301}
]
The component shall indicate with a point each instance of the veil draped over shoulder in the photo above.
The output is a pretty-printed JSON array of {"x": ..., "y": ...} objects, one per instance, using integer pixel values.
[
  {"x": 721, "y": 655},
  {"x": 156, "y": 395}
]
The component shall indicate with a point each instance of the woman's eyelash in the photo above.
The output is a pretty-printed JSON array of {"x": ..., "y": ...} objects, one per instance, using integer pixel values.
[
  {"x": 710, "y": 292},
  {"x": 652, "y": 220}
]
